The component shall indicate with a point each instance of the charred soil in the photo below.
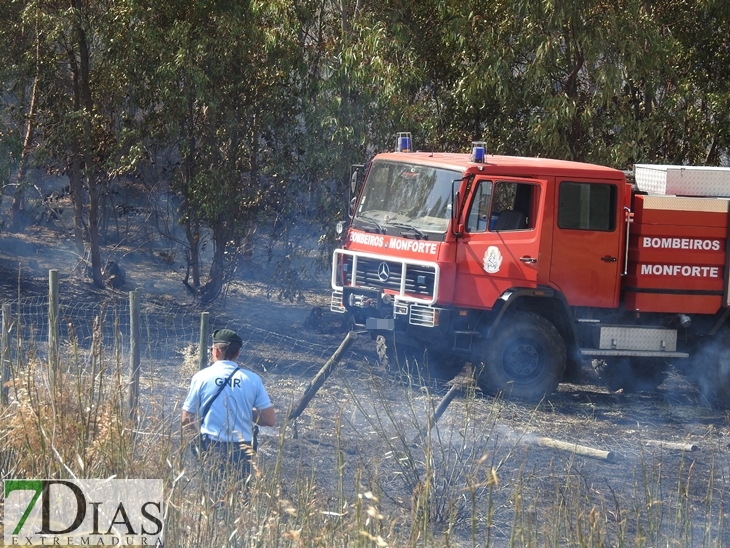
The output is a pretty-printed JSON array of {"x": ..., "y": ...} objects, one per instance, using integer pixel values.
[{"x": 665, "y": 445}]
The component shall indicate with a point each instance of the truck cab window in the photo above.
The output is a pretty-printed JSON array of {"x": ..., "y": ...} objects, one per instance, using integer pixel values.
[
  {"x": 512, "y": 206},
  {"x": 587, "y": 206},
  {"x": 406, "y": 198},
  {"x": 479, "y": 211}
]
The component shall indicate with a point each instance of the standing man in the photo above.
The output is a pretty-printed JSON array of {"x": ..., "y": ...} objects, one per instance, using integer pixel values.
[{"x": 227, "y": 402}]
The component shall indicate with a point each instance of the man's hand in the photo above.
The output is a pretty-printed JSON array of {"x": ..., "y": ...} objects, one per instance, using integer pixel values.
[
  {"x": 189, "y": 423},
  {"x": 264, "y": 417}
]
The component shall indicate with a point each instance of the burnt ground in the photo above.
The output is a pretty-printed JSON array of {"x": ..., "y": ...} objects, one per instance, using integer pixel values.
[{"x": 368, "y": 421}]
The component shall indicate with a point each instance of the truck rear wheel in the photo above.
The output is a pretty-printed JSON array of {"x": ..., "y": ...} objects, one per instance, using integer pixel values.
[{"x": 524, "y": 359}]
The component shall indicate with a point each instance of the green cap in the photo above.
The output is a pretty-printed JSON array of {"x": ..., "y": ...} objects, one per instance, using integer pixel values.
[{"x": 227, "y": 336}]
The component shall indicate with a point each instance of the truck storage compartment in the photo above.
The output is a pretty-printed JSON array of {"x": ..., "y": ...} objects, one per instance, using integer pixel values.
[
  {"x": 677, "y": 255},
  {"x": 683, "y": 180},
  {"x": 649, "y": 338}
]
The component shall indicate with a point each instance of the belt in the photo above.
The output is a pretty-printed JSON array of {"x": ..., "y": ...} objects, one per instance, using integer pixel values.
[{"x": 210, "y": 439}]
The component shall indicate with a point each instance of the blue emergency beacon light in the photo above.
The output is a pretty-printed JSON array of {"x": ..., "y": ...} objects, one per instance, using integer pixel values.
[
  {"x": 404, "y": 142},
  {"x": 478, "y": 151}
]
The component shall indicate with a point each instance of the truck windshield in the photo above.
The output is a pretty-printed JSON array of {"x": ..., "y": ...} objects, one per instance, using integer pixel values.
[{"x": 412, "y": 199}]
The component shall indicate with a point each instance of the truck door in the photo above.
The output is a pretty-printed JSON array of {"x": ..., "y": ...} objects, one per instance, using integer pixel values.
[
  {"x": 499, "y": 247},
  {"x": 585, "y": 259}
]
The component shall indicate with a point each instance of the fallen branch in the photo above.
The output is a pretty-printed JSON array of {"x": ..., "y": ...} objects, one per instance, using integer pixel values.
[
  {"x": 321, "y": 377},
  {"x": 679, "y": 446},
  {"x": 573, "y": 448}
]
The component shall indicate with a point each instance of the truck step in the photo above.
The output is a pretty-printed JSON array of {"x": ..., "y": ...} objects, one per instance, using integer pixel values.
[
  {"x": 598, "y": 353},
  {"x": 463, "y": 340}
]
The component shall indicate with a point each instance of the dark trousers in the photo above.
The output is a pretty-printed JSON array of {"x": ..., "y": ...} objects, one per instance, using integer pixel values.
[{"x": 224, "y": 464}]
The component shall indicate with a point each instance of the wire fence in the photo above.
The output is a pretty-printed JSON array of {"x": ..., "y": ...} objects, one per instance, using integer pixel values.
[
  {"x": 162, "y": 327},
  {"x": 167, "y": 331}
]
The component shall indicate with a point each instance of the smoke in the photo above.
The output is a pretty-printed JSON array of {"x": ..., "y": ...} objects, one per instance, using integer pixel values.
[{"x": 709, "y": 370}]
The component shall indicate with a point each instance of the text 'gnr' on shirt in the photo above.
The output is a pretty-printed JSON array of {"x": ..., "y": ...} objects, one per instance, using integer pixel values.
[{"x": 230, "y": 416}]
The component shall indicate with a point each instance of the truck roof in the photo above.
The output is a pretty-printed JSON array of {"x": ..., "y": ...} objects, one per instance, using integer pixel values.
[{"x": 516, "y": 166}]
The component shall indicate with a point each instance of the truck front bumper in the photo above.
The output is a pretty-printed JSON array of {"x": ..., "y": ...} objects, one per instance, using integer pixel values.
[{"x": 369, "y": 305}]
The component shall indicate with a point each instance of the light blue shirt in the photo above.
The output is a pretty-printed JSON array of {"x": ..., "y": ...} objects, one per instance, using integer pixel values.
[{"x": 230, "y": 418}]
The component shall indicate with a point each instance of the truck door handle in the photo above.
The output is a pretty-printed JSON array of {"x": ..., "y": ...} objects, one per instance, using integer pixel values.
[
  {"x": 528, "y": 260},
  {"x": 608, "y": 259}
]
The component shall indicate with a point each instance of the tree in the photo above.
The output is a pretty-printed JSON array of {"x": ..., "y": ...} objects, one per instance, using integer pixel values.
[
  {"x": 21, "y": 72},
  {"x": 228, "y": 76},
  {"x": 611, "y": 83},
  {"x": 63, "y": 121}
]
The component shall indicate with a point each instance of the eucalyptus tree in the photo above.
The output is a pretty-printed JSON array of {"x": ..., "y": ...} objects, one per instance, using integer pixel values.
[
  {"x": 20, "y": 70},
  {"x": 62, "y": 60},
  {"x": 219, "y": 82},
  {"x": 355, "y": 99},
  {"x": 609, "y": 82},
  {"x": 334, "y": 115}
]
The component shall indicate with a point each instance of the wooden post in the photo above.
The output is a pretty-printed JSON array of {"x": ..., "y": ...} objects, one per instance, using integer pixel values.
[
  {"x": 443, "y": 404},
  {"x": 5, "y": 353},
  {"x": 203, "y": 344},
  {"x": 53, "y": 352},
  {"x": 321, "y": 377},
  {"x": 679, "y": 446},
  {"x": 134, "y": 355},
  {"x": 462, "y": 380}
]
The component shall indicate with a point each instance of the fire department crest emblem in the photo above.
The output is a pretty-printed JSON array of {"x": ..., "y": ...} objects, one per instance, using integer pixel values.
[{"x": 492, "y": 260}]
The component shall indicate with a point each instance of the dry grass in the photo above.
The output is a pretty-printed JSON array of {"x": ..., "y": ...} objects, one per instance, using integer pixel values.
[{"x": 383, "y": 475}]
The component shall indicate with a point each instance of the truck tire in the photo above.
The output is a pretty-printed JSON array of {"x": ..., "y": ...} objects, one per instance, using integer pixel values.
[{"x": 525, "y": 358}]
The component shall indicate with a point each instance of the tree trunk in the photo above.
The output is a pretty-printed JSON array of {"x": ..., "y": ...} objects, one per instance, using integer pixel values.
[
  {"x": 77, "y": 189},
  {"x": 77, "y": 195},
  {"x": 192, "y": 234},
  {"x": 85, "y": 87},
  {"x": 18, "y": 217},
  {"x": 192, "y": 227},
  {"x": 215, "y": 282}
]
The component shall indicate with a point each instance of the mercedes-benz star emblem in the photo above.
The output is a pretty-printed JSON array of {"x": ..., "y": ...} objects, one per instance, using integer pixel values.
[{"x": 383, "y": 272}]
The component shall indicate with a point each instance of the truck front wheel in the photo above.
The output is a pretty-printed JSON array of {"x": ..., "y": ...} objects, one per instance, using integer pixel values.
[{"x": 525, "y": 358}]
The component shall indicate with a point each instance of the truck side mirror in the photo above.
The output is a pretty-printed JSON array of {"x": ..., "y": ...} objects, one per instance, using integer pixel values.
[
  {"x": 353, "y": 181},
  {"x": 456, "y": 229}
]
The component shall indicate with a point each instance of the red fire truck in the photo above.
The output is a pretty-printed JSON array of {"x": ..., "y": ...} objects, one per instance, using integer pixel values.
[{"x": 530, "y": 267}]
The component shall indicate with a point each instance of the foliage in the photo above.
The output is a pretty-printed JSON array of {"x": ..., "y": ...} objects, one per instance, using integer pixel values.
[
  {"x": 254, "y": 111},
  {"x": 9, "y": 152}
]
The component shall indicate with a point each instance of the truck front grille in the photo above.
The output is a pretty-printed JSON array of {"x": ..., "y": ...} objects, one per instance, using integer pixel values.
[
  {"x": 418, "y": 279},
  {"x": 414, "y": 282}
]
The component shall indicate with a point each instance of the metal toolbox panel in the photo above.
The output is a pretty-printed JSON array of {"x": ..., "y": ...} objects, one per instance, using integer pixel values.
[
  {"x": 615, "y": 337},
  {"x": 683, "y": 180}
]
